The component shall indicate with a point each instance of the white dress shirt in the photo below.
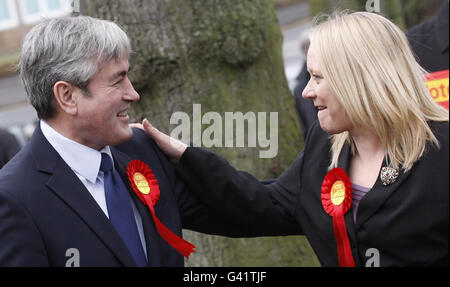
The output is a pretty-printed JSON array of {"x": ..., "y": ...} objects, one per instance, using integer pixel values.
[{"x": 85, "y": 163}]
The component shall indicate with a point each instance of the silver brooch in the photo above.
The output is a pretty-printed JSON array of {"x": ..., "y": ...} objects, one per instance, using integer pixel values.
[{"x": 388, "y": 175}]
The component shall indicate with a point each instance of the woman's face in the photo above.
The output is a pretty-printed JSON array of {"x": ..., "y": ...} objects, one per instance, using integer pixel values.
[{"x": 331, "y": 113}]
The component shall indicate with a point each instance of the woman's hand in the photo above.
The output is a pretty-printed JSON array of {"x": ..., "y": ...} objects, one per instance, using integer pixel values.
[{"x": 173, "y": 148}]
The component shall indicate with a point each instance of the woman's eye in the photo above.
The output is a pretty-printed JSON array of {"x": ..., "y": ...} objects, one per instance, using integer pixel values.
[{"x": 317, "y": 78}]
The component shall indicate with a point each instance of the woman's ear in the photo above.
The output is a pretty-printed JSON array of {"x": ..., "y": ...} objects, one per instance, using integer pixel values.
[{"x": 65, "y": 97}]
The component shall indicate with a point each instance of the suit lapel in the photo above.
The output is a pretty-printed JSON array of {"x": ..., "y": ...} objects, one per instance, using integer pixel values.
[
  {"x": 121, "y": 161},
  {"x": 67, "y": 186},
  {"x": 375, "y": 198},
  {"x": 372, "y": 201},
  {"x": 82, "y": 203}
]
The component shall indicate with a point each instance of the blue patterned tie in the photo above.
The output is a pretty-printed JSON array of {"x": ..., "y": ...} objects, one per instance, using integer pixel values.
[{"x": 120, "y": 210}]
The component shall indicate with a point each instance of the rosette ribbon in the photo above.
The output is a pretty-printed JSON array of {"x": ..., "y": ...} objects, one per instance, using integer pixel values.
[
  {"x": 336, "y": 195},
  {"x": 145, "y": 185}
]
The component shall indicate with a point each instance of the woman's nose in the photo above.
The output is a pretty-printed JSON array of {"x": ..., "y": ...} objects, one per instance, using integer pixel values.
[{"x": 308, "y": 92}]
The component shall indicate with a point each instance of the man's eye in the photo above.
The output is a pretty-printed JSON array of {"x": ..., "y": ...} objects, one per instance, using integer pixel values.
[{"x": 118, "y": 82}]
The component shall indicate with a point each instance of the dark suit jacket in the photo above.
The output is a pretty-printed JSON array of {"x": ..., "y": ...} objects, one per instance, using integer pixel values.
[
  {"x": 407, "y": 221},
  {"x": 45, "y": 210},
  {"x": 9, "y": 146},
  {"x": 429, "y": 41}
]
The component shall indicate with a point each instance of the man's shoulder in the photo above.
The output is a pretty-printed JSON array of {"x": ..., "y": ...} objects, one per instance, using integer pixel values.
[
  {"x": 140, "y": 142},
  {"x": 421, "y": 30},
  {"x": 142, "y": 146}
]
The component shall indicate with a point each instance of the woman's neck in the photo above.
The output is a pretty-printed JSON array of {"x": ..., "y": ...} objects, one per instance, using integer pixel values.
[
  {"x": 368, "y": 145},
  {"x": 366, "y": 163}
]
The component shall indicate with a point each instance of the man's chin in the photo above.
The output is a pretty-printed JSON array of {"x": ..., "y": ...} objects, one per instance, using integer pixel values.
[{"x": 124, "y": 136}]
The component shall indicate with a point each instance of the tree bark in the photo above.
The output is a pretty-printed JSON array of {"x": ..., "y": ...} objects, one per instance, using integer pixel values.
[{"x": 226, "y": 56}]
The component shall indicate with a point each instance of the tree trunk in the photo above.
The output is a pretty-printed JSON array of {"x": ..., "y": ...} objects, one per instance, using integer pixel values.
[{"x": 226, "y": 56}]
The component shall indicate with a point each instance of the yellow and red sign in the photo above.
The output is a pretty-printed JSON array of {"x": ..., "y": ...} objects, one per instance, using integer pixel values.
[{"x": 437, "y": 84}]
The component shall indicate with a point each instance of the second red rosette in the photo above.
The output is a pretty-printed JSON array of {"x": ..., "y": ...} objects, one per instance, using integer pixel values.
[
  {"x": 336, "y": 192},
  {"x": 336, "y": 195}
]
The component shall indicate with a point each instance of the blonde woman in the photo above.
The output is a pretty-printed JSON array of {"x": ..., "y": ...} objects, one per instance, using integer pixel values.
[{"x": 378, "y": 125}]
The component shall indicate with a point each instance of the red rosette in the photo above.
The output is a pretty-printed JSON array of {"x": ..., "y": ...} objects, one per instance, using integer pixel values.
[
  {"x": 333, "y": 176},
  {"x": 145, "y": 185},
  {"x": 336, "y": 195},
  {"x": 139, "y": 167}
]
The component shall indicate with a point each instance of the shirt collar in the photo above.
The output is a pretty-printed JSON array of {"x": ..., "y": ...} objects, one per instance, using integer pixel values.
[{"x": 82, "y": 159}]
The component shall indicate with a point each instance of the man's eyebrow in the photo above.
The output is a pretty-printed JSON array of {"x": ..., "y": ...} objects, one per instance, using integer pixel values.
[{"x": 121, "y": 73}]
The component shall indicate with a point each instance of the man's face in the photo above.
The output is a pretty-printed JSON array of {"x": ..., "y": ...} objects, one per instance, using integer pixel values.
[{"x": 102, "y": 117}]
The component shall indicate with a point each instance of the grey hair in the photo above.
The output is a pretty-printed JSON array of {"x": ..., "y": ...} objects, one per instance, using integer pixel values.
[{"x": 71, "y": 49}]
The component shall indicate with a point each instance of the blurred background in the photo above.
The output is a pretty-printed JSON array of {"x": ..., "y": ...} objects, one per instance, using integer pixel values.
[
  {"x": 229, "y": 55},
  {"x": 16, "y": 19},
  {"x": 294, "y": 16}
]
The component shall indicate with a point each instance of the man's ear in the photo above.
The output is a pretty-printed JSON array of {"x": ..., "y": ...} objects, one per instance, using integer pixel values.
[{"x": 65, "y": 97}]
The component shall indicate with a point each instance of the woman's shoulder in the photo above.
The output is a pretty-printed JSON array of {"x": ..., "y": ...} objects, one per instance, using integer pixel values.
[
  {"x": 315, "y": 132},
  {"x": 317, "y": 142},
  {"x": 439, "y": 125},
  {"x": 440, "y": 131},
  {"x": 438, "y": 153}
]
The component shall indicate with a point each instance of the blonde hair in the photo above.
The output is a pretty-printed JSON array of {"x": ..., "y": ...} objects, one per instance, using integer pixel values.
[{"x": 367, "y": 61}]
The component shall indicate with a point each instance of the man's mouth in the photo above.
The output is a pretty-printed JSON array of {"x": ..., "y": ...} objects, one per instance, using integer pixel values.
[{"x": 123, "y": 114}]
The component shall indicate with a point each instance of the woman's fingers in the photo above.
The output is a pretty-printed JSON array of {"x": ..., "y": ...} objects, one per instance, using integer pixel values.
[
  {"x": 173, "y": 148},
  {"x": 136, "y": 125}
]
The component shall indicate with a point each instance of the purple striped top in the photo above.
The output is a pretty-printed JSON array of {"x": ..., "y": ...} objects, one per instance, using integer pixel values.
[{"x": 357, "y": 194}]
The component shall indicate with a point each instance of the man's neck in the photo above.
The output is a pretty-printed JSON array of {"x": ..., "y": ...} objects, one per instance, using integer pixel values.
[{"x": 63, "y": 127}]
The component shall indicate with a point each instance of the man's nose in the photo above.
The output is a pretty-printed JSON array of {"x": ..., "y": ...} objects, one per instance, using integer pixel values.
[{"x": 130, "y": 93}]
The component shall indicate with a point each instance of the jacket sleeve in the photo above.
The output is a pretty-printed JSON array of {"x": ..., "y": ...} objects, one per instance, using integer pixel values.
[
  {"x": 255, "y": 208},
  {"x": 20, "y": 242}
]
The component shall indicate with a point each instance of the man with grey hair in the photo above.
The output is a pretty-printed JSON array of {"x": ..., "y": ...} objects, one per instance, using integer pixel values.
[{"x": 66, "y": 199}]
